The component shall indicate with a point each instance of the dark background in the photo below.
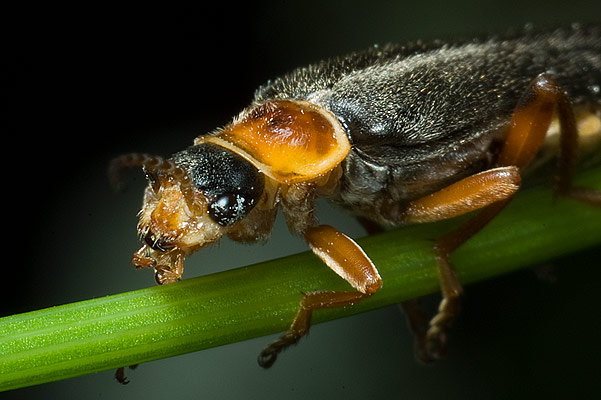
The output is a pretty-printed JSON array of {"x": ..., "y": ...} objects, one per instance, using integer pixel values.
[{"x": 82, "y": 84}]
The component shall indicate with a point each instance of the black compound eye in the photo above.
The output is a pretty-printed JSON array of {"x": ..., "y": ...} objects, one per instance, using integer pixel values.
[{"x": 229, "y": 208}]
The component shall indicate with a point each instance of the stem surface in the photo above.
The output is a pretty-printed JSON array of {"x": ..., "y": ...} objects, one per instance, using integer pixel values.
[{"x": 194, "y": 314}]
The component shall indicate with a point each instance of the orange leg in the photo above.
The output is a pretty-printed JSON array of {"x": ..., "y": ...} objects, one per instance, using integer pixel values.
[
  {"x": 527, "y": 131},
  {"x": 493, "y": 189},
  {"x": 348, "y": 260}
]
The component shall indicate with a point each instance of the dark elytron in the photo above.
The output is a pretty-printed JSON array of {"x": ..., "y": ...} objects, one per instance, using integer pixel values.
[{"x": 423, "y": 115}]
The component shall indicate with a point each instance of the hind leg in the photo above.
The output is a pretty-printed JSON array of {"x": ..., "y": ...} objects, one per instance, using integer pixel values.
[{"x": 525, "y": 136}]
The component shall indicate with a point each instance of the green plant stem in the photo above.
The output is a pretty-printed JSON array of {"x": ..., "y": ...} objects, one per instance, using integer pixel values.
[{"x": 158, "y": 322}]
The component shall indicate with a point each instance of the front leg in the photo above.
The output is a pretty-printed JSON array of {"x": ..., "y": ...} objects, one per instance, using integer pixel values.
[
  {"x": 338, "y": 252},
  {"x": 348, "y": 260}
]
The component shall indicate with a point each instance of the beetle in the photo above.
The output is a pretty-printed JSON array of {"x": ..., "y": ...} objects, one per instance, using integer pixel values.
[{"x": 395, "y": 134}]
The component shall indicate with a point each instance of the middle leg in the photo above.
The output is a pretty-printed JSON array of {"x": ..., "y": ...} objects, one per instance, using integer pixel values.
[{"x": 491, "y": 189}]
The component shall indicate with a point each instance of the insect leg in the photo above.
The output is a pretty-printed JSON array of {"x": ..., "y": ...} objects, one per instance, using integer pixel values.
[
  {"x": 492, "y": 189},
  {"x": 527, "y": 130},
  {"x": 469, "y": 194},
  {"x": 525, "y": 135},
  {"x": 348, "y": 260}
]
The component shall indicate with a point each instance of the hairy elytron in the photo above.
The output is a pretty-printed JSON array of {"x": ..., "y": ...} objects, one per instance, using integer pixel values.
[{"x": 393, "y": 134}]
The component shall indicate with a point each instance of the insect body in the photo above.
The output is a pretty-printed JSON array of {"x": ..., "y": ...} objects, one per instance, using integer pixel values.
[{"x": 393, "y": 134}]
